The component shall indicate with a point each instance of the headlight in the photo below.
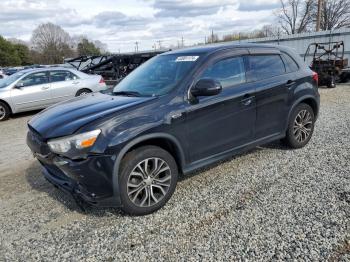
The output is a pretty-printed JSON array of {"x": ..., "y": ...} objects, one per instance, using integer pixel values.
[{"x": 80, "y": 141}]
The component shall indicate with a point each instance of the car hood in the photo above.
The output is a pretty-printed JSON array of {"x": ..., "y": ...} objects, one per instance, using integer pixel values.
[{"x": 67, "y": 117}]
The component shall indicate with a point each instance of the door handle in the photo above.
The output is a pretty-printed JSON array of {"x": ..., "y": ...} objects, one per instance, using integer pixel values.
[
  {"x": 290, "y": 83},
  {"x": 247, "y": 100},
  {"x": 45, "y": 87},
  {"x": 75, "y": 83}
]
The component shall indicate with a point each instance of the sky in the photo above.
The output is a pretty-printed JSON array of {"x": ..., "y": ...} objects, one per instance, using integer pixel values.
[{"x": 120, "y": 24}]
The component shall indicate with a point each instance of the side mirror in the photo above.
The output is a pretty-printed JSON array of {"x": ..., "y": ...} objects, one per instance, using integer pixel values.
[
  {"x": 206, "y": 87},
  {"x": 19, "y": 85}
]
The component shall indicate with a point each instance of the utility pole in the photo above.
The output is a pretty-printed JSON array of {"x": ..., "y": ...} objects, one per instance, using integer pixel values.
[
  {"x": 136, "y": 46},
  {"x": 212, "y": 36},
  {"x": 160, "y": 44},
  {"x": 319, "y": 14},
  {"x": 182, "y": 41}
]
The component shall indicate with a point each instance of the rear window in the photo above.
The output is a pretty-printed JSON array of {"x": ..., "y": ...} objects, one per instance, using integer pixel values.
[
  {"x": 291, "y": 65},
  {"x": 265, "y": 66}
]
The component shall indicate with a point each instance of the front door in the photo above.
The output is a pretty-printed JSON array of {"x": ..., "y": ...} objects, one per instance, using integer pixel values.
[
  {"x": 220, "y": 123},
  {"x": 32, "y": 92}
]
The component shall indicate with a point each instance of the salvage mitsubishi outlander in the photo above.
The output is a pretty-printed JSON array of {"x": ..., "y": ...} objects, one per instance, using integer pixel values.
[{"x": 177, "y": 112}]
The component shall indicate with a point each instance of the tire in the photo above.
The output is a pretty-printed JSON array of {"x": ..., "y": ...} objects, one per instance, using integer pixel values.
[
  {"x": 5, "y": 111},
  {"x": 83, "y": 92},
  {"x": 302, "y": 117},
  {"x": 139, "y": 191},
  {"x": 331, "y": 82}
]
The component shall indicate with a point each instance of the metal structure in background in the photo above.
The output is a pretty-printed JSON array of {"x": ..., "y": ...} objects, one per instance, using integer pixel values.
[
  {"x": 113, "y": 67},
  {"x": 301, "y": 42},
  {"x": 116, "y": 66},
  {"x": 328, "y": 61}
]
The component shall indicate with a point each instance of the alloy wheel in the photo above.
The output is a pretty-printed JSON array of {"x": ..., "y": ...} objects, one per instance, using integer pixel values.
[
  {"x": 302, "y": 126},
  {"x": 2, "y": 112},
  {"x": 149, "y": 182}
]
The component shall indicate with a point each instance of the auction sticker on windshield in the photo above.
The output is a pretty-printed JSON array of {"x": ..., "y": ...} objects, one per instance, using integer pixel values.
[{"x": 186, "y": 58}]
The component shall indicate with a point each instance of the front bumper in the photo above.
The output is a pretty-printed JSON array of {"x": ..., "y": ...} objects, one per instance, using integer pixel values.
[{"x": 88, "y": 179}]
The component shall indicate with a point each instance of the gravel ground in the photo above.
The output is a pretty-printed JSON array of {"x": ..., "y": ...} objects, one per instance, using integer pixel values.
[{"x": 268, "y": 204}]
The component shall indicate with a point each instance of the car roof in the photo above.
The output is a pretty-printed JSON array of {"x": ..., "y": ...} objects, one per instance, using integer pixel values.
[
  {"x": 206, "y": 49},
  {"x": 40, "y": 69}
]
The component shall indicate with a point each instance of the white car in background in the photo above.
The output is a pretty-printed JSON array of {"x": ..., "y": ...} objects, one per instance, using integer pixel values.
[
  {"x": 39, "y": 88},
  {"x": 2, "y": 74}
]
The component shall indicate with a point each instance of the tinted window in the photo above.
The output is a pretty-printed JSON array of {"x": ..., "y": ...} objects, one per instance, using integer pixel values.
[
  {"x": 229, "y": 72},
  {"x": 291, "y": 65},
  {"x": 265, "y": 66},
  {"x": 57, "y": 76},
  {"x": 35, "y": 79}
]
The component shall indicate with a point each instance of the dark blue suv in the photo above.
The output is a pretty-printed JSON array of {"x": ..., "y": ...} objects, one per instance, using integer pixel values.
[{"x": 179, "y": 111}]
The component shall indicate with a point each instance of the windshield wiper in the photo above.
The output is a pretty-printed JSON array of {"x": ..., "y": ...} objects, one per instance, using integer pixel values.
[{"x": 127, "y": 93}]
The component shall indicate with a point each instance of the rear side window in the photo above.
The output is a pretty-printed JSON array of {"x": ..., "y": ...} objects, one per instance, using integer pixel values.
[
  {"x": 58, "y": 76},
  {"x": 229, "y": 71},
  {"x": 265, "y": 66},
  {"x": 291, "y": 65}
]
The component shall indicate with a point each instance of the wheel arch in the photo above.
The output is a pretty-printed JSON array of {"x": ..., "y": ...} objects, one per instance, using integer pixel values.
[
  {"x": 83, "y": 88},
  {"x": 163, "y": 140},
  {"x": 309, "y": 100},
  {"x": 8, "y": 105}
]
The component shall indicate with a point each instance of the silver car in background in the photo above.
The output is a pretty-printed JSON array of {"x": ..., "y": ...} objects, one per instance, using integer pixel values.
[{"x": 34, "y": 89}]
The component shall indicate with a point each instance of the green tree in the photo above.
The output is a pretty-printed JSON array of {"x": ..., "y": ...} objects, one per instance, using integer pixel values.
[
  {"x": 8, "y": 54},
  {"x": 86, "y": 48},
  {"x": 23, "y": 53}
]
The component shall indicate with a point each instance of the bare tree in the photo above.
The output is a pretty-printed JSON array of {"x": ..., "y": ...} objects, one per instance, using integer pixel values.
[
  {"x": 295, "y": 16},
  {"x": 270, "y": 31},
  {"x": 335, "y": 14},
  {"x": 52, "y": 42}
]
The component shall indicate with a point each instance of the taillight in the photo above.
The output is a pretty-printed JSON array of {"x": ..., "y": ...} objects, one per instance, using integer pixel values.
[
  {"x": 102, "y": 81},
  {"x": 315, "y": 77}
]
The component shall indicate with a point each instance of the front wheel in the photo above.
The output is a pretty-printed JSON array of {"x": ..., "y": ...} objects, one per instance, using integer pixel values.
[
  {"x": 148, "y": 177},
  {"x": 4, "y": 111},
  {"x": 300, "y": 126}
]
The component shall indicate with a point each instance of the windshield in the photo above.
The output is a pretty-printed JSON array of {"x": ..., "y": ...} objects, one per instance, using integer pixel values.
[
  {"x": 157, "y": 76},
  {"x": 9, "y": 80}
]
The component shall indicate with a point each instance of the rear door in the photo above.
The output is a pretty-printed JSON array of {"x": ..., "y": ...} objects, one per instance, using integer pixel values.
[
  {"x": 220, "y": 123},
  {"x": 34, "y": 92},
  {"x": 64, "y": 85},
  {"x": 267, "y": 70}
]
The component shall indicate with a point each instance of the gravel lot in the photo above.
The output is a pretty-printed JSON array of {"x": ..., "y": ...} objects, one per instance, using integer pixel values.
[{"x": 268, "y": 204}]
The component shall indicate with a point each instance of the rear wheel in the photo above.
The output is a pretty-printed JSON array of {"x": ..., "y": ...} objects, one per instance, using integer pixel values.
[
  {"x": 148, "y": 177},
  {"x": 83, "y": 92},
  {"x": 4, "y": 111},
  {"x": 300, "y": 126}
]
